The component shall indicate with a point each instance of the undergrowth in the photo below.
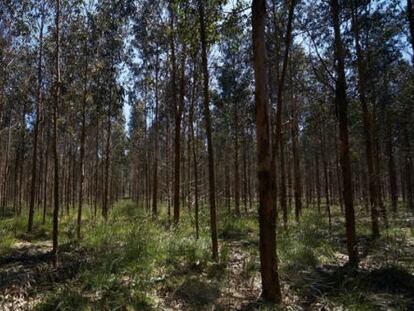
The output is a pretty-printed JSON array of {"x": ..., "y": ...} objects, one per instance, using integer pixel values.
[{"x": 131, "y": 258}]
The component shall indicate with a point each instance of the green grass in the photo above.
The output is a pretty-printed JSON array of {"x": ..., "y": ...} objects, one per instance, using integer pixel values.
[
  {"x": 130, "y": 256},
  {"x": 125, "y": 262}
]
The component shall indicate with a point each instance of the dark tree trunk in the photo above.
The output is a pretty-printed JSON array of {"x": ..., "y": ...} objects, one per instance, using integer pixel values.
[
  {"x": 236, "y": 162},
  {"x": 267, "y": 221},
  {"x": 156, "y": 147},
  {"x": 391, "y": 165},
  {"x": 177, "y": 119},
  {"x": 210, "y": 151},
  {"x": 82, "y": 148},
  {"x": 296, "y": 164},
  {"x": 55, "y": 232},
  {"x": 36, "y": 127},
  {"x": 105, "y": 202},
  {"x": 195, "y": 160},
  {"x": 283, "y": 201},
  {"x": 342, "y": 108}
]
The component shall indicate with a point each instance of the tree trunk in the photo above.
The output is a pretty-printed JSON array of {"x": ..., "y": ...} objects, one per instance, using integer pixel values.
[
  {"x": 283, "y": 201},
  {"x": 82, "y": 148},
  {"x": 156, "y": 147},
  {"x": 107, "y": 161},
  {"x": 195, "y": 160},
  {"x": 207, "y": 117},
  {"x": 391, "y": 165},
  {"x": 297, "y": 176},
  {"x": 177, "y": 119},
  {"x": 36, "y": 127},
  {"x": 236, "y": 162},
  {"x": 55, "y": 142},
  {"x": 267, "y": 221},
  {"x": 342, "y": 107}
]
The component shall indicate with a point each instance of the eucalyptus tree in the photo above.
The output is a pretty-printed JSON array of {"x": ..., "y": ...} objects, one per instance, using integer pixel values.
[
  {"x": 342, "y": 106},
  {"x": 267, "y": 218}
]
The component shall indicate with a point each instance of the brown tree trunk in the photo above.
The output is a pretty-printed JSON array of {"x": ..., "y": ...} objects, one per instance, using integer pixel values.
[
  {"x": 55, "y": 232},
  {"x": 45, "y": 185},
  {"x": 342, "y": 107},
  {"x": 236, "y": 162},
  {"x": 195, "y": 160},
  {"x": 177, "y": 119},
  {"x": 105, "y": 202},
  {"x": 82, "y": 149},
  {"x": 245, "y": 173},
  {"x": 207, "y": 117},
  {"x": 317, "y": 181},
  {"x": 391, "y": 165},
  {"x": 327, "y": 179},
  {"x": 296, "y": 164},
  {"x": 408, "y": 168},
  {"x": 283, "y": 201},
  {"x": 156, "y": 147},
  {"x": 36, "y": 127},
  {"x": 227, "y": 195},
  {"x": 267, "y": 221}
]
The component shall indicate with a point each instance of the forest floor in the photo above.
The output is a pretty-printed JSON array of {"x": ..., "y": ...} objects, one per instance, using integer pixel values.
[{"x": 134, "y": 263}]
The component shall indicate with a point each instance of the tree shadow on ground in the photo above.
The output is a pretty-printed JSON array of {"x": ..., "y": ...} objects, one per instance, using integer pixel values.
[
  {"x": 31, "y": 266},
  {"x": 382, "y": 288},
  {"x": 199, "y": 294}
]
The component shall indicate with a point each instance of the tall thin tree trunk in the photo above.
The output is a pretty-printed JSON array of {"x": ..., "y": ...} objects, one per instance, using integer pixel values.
[
  {"x": 391, "y": 165},
  {"x": 267, "y": 221},
  {"x": 195, "y": 160},
  {"x": 156, "y": 147},
  {"x": 207, "y": 117},
  {"x": 342, "y": 107},
  {"x": 55, "y": 141},
  {"x": 177, "y": 119},
  {"x": 82, "y": 147},
  {"x": 236, "y": 161},
  {"x": 297, "y": 176},
  {"x": 36, "y": 127},
  {"x": 283, "y": 201}
]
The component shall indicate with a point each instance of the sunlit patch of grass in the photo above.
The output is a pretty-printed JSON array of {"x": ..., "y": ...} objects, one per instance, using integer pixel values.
[
  {"x": 6, "y": 242},
  {"x": 131, "y": 254},
  {"x": 237, "y": 228}
]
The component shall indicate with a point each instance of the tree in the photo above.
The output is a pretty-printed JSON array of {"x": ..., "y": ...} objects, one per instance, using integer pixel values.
[
  {"x": 267, "y": 221},
  {"x": 55, "y": 138},
  {"x": 36, "y": 125},
  {"x": 342, "y": 107},
  {"x": 207, "y": 119}
]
